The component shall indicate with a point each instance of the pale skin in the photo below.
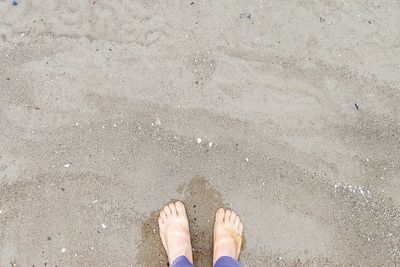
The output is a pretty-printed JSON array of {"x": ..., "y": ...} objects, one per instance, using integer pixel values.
[{"x": 175, "y": 235}]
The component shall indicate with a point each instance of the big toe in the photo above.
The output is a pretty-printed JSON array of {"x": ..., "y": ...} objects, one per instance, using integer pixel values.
[
  {"x": 180, "y": 208},
  {"x": 219, "y": 216}
]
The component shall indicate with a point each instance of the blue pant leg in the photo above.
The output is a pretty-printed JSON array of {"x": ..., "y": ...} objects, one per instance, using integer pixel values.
[
  {"x": 226, "y": 261},
  {"x": 181, "y": 261}
]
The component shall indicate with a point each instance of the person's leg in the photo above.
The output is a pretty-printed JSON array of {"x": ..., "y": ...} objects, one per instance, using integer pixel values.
[
  {"x": 181, "y": 261},
  {"x": 225, "y": 261},
  {"x": 228, "y": 230},
  {"x": 175, "y": 235}
]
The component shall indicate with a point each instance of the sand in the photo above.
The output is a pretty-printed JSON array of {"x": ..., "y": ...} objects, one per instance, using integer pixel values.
[{"x": 285, "y": 111}]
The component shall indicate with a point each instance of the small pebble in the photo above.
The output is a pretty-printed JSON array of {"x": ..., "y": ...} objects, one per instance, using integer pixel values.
[
  {"x": 63, "y": 250},
  {"x": 67, "y": 165},
  {"x": 158, "y": 121},
  {"x": 247, "y": 159},
  {"x": 210, "y": 144},
  {"x": 1, "y": 211},
  {"x": 199, "y": 140},
  {"x": 104, "y": 226}
]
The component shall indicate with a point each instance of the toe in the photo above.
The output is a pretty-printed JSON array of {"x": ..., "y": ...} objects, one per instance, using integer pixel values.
[
  {"x": 180, "y": 208},
  {"x": 237, "y": 223},
  {"x": 172, "y": 208},
  {"x": 219, "y": 215},
  {"x": 232, "y": 218},
  {"x": 160, "y": 222},
  {"x": 227, "y": 215},
  {"x": 240, "y": 228},
  {"x": 163, "y": 216},
  {"x": 167, "y": 211}
]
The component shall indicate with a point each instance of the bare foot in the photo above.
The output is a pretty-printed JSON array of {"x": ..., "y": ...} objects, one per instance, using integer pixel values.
[
  {"x": 174, "y": 231},
  {"x": 228, "y": 230}
]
